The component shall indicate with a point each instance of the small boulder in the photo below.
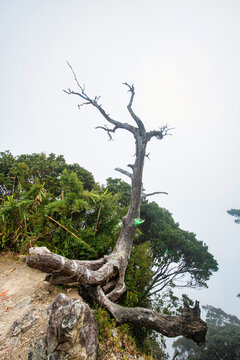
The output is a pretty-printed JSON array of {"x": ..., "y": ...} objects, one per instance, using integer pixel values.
[{"x": 72, "y": 332}]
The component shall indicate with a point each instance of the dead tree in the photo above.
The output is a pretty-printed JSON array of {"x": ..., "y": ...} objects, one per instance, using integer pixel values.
[{"x": 103, "y": 279}]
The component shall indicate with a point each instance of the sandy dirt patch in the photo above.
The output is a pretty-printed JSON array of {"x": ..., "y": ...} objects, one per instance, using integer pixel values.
[{"x": 25, "y": 299}]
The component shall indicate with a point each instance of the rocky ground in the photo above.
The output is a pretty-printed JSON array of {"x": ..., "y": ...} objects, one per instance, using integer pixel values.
[{"x": 25, "y": 300}]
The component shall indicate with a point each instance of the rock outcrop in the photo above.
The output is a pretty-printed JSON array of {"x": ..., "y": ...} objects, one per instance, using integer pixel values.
[{"x": 72, "y": 332}]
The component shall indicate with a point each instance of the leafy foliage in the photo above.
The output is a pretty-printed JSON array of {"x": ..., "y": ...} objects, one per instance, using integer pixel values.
[
  {"x": 163, "y": 256},
  {"x": 37, "y": 188},
  {"x": 21, "y": 172},
  {"x": 120, "y": 187},
  {"x": 236, "y": 214},
  {"x": 138, "y": 275},
  {"x": 223, "y": 338},
  {"x": 46, "y": 202},
  {"x": 117, "y": 340},
  {"x": 218, "y": 317},
  {"x": 177, "y": 257},
  {"x": 44, "y": 188}
]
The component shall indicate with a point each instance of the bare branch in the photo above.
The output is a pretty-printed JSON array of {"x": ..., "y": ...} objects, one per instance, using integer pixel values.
[
  {"x": 163, "y": 278},
  {"x": 118, "y": 290},
  {"x": 71, "y": 92},
  {"x": 117, "y": 124},
  {"x": 85, "y": 103},
  {"x": 129, "y": 107},
  {"x": 132, "y": 90},
  {"x": 159, "y": 134},
  {"x": 63, "y": 270},
  {"x": 82, "y": 88},
  {"x": 189, "y": 324},
  {"x": 94, "y": 102},
  {"x": 75, "y": 77},
  {"x": 124, "y": 172},
  {"x": 154, "y": 193},
  {"x": 108, "y": 130}
]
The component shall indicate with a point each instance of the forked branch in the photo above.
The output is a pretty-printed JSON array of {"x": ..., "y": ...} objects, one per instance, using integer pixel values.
[
  {"x": 94, "y": 102},
  {"x": 109, "y": 131},
  {"x": 159, "y": 134},
  {"x": 129, "y": 107}
]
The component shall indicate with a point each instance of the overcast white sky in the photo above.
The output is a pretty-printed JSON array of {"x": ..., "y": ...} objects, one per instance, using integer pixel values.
[{"x": 182, "y": 56}]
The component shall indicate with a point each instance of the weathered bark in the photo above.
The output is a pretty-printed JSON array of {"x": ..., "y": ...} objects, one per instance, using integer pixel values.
[
  {"x": 104, "y": 278},
  {"x": 189, "y": 324},
  {"x": 175, "y": 355},
  {"x": 64, "y": 271},
  {"x": 72, "y": 332}
]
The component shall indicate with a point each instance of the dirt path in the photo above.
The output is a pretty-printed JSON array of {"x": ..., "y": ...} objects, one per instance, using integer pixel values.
[{"x": 24, "y": 301}]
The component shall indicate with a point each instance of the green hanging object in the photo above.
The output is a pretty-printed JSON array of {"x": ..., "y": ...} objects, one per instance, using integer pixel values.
[
  {"x": 138, "y": 222},
  {"x": 166, "y": 251}
]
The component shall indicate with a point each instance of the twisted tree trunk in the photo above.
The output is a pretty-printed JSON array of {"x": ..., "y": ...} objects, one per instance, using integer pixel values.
[{"x": 103, "y": 279}]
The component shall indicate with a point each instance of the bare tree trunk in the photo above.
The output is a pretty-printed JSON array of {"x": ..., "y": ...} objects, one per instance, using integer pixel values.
[{"x": 103, "y": 279}]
